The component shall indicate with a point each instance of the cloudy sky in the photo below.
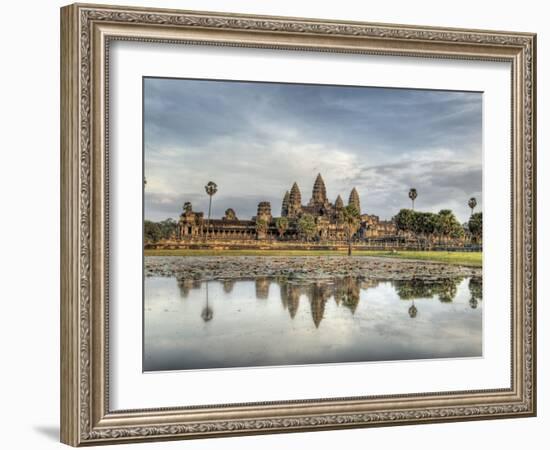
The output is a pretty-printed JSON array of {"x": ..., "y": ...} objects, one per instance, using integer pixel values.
[{"x": 255, "y": 139}]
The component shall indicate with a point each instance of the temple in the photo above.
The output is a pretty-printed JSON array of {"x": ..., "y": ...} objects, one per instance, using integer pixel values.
[
  {"x": 327, "y": 217},
  {"x": 343, "y": 291}
]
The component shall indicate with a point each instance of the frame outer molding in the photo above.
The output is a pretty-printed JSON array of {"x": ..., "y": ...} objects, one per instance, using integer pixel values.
[
  {"x": 85, "y": 34},
  {"x": 70, "y": 243}
]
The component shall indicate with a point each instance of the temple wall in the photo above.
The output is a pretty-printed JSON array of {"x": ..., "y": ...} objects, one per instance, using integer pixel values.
[{"x": 387, "y": 244}]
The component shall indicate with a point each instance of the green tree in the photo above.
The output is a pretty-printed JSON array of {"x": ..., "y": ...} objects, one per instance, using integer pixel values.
[
  {"x": 262, "y": 226},
  {"x": 445, "y": 222},
  {"x": 431, "y": 221},
  {"x": 282, "y": 225},
  {"x": 168, "y": 228},
  {"x": 424, "y": 226},
  {"x": 458, "y": 231},
  {"x": 157, "y": 231},
  {"x": 475, "y": 225},
  {"x": 151, "y": 231},
  {"x": 306, "y": 226},
  {"x": 448, "y": 225},
  {"x": 404, "y": 220},
  {"x": 351, "y": 223}
]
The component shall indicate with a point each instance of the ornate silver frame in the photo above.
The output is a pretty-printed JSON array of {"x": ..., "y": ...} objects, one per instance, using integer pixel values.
[{"x": 86, "y": 31}]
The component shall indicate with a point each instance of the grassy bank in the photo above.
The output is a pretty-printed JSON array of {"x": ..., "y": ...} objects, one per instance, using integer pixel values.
[{"x": 460, "y": 258}]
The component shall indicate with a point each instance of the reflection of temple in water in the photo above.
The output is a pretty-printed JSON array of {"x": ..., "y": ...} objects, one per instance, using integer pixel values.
[
  {"x": 320, "y": 293},
  {"x": 345, "y": 292},
  {"x": 262, "y": 287}
]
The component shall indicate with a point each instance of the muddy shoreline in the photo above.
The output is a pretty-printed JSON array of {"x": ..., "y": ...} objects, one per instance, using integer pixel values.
[{"x": 203, "y": 268}]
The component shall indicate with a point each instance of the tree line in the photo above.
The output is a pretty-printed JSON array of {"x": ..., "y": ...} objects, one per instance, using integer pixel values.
[
  {"x": 443, "y": 226},
  {"x": 158, "y": 231},
  {"x": 425, "y": 226}
]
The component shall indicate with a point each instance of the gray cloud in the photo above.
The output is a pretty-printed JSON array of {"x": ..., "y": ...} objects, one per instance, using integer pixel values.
[{"x": 256, "y": 139}]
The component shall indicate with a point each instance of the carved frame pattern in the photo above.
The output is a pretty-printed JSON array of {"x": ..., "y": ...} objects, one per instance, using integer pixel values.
[{"x": 85, "y": 416}]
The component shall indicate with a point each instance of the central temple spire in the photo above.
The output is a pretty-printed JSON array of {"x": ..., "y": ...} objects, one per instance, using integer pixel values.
[
  {"x": 354, "y": 200},
  {"x": 319, "y": 195}
]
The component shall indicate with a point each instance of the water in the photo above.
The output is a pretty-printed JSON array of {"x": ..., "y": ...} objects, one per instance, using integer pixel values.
[{"x": 268, "y": 322}]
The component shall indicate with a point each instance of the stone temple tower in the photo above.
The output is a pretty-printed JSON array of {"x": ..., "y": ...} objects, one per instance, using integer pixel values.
[
  {"x": 264, "y": 211},
  {"x": 319, "y": 195},
  {"x": 339, "y": 203},
  {"x": 354, "y": 200},
  {"x": 295, "y": 201},
  {"x": 284, "y": 207}
]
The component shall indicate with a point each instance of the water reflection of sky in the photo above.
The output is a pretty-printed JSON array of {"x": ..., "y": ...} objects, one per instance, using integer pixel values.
[{"x": 267, "y": 322}]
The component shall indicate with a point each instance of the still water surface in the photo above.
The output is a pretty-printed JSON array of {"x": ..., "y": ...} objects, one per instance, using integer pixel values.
[{"x": 266, "y": 322}]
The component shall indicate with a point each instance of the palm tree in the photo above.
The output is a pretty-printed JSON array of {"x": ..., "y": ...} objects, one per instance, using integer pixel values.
[
  {"x": 475, "y": 225},
  {"x": 413, "y": 311},
  {"x": 445, "y": 223},
  {"x": 262, "y": 226},
  {"x": 187, "y": 207},
  {"x": 472, "y": 203},
  {"x": 412, "y": 195},
  {"x": 351, "y": 221},
  {"x": 207, "y": 312},
  {"x": 404, "y": 221},
  {"x": 282, "y": 225},
  {"x": 307, "y": 226},
  {"x": 211, "y": 188}
]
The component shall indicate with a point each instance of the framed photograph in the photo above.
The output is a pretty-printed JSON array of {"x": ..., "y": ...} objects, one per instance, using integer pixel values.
[{"x": 276, "y": 224}]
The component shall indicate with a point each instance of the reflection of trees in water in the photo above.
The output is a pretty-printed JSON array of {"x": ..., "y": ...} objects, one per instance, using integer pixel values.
[
  {"x": 186, "y": 284},
  {"x": 413, "y": 311},
  {"x": 228, "y": 286},
  {"x": 448, "y": 290},
  {"x": 475, "y": 285},
  {"x": 345, "y": 291},
  {"x": 445, "y": 288},
  {"x": 207, "y": 312},
  {"x": 409, "y": 289}
]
